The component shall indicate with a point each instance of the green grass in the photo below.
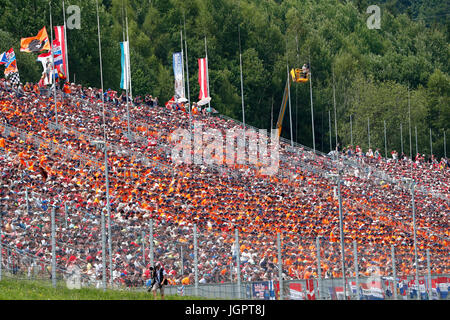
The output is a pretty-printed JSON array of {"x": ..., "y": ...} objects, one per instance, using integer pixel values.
[{"x": 12, "y": 289}]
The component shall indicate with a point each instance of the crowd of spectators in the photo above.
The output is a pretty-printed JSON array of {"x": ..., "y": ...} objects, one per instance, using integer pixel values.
[{"x": 300, "y": 202}]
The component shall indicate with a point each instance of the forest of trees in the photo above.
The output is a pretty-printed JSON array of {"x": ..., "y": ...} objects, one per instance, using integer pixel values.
[{"x": 374, "y": 70}]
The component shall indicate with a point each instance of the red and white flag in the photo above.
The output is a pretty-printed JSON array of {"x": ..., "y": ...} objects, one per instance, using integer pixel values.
[
  {"x": 296, "y": 291},
  {"x": 203, "y": 82},
  {"x": 59, "y": 33},
  {"x": 310, "y": 289}
]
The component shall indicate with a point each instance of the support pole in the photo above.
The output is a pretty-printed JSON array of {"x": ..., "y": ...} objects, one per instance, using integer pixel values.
[
  {"x": 385, "y": 141},
  {"x": 368, "y": 130},
  {"x": 1, "y": 243},
  {"x": 280, "y": 267},
  {"x": 152, "y": 257},
  {"x": 187, "y": 76},
  {"x": 53, "y": 249},
  {"x": 182, "y": 260},
  {"x": 445, "y": 146},
  {"x": 410, "y": 135},
  {"x": 341, "y": 229},
  {"x": 335, "y": 113},
  {"x": 329, "y": 125},
  {"x": 319, "y": 267},
  {"x": 430, "y": 290},
  {"x": 242, "y": 85},
  {"x": 394, "y": 271},
  {"x": 143, "y": 247},
  {"x": 401, "y": 137},
  {"x": 105, "y": 147},
  {"x": 355, "y": 256},
  {"x": 195, "y": 260},
  {"x": 431, "y": 144},
  {"x": 351, "y": 131},
  {"x": 415, "y": 240},
  {"x": 312, "y": 106},
  {"x": 66, "y": 214},
  {"x": 129, "y": 65},
  {"x": 238, "y": 263},
  {"x": 289, "y": 97},
  {"x": 207, "y": 72},
  {"x": 417, "y": 149},
  {"x": 182, "y": 62}
]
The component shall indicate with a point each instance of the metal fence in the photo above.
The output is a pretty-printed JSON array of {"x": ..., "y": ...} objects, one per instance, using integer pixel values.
[{"x": 207, "y": 263}]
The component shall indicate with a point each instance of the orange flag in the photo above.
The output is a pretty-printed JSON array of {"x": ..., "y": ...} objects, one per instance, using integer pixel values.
[{"x": 37, "y": 43}]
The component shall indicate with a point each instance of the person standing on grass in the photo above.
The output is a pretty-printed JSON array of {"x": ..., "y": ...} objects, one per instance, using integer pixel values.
[{"x": 159, "y": 280}]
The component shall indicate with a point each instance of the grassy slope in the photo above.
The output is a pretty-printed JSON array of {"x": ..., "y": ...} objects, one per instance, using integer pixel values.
[{"x": 39, "y": 290}]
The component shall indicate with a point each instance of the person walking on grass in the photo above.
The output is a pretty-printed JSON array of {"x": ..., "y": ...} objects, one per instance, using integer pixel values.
[{"x": 159, "y": 280}]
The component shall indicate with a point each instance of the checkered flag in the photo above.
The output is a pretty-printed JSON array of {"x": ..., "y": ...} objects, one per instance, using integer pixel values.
[{"x": 14, "y": 78}]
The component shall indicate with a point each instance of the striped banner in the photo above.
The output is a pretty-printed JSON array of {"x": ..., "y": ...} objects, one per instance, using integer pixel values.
[
  {"x": 203, "y": 82},
  {"x": 59, "y": 34}
]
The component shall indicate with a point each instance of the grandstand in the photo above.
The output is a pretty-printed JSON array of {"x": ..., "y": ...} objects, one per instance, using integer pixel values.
[{"x": 44, "y": 165}]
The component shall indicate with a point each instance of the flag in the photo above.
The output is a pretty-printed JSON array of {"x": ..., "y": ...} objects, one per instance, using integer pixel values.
[
  {"x": 442, "y": 287},
  {"x": 372, "y": 290},
  {"x": 353, "y": 287},
  {"x": 11, "y": 63},
  {"x": 180, "y": 291},
  {"x": 46, "y": 60},
  {"x": 412, "y": 289},
  {"x": 339, "y": 293},
  {"x": 125, "y": 63},
  {"x": 272, "y": 289},
  {"x": 293, "y": 75},
  {"x": 403, "y": 286},
  {"x": 203, "y": 82},
  {"x": 296, "y": 292},
  {"x": 37, "y": 43},
  {"x": 389, "y": 289},
  {"x": 3, "y": 59},
  {"x": 422, "y": 289},
  {"x": 169, "y": 103},
  {"x": 60, "y": 38},
  {"x": 178, "y": 73},
  {"x": 14, "y": 78},
  {"x": 310, "y": 289},
  {"x": 57, "y": 53}
]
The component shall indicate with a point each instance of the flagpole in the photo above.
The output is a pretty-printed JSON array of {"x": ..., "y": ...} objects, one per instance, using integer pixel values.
[
  {"x": 207, "y": 73},
  {"x": 128, "y": 60},
  {"x": 65, "y": 44},
  {"x": 182, "y": 63},
  {"x": 335, "y": 116},
  {"x": 312, "y": 107},
  {"x": 129, "y": 66},
  {"x": 128, "y": 83},
  {"x": 289, "y": 96},
  {"x": 106, "y": 162},
  {"x": 289, "y": 92},
  {"x": 410, "y": 135},
  {"x": 242, "y": 83},
  {"x": 53, "y": 65},
  {"x": 296, "y": 94},
  {"x": 187, "y": 75}
]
